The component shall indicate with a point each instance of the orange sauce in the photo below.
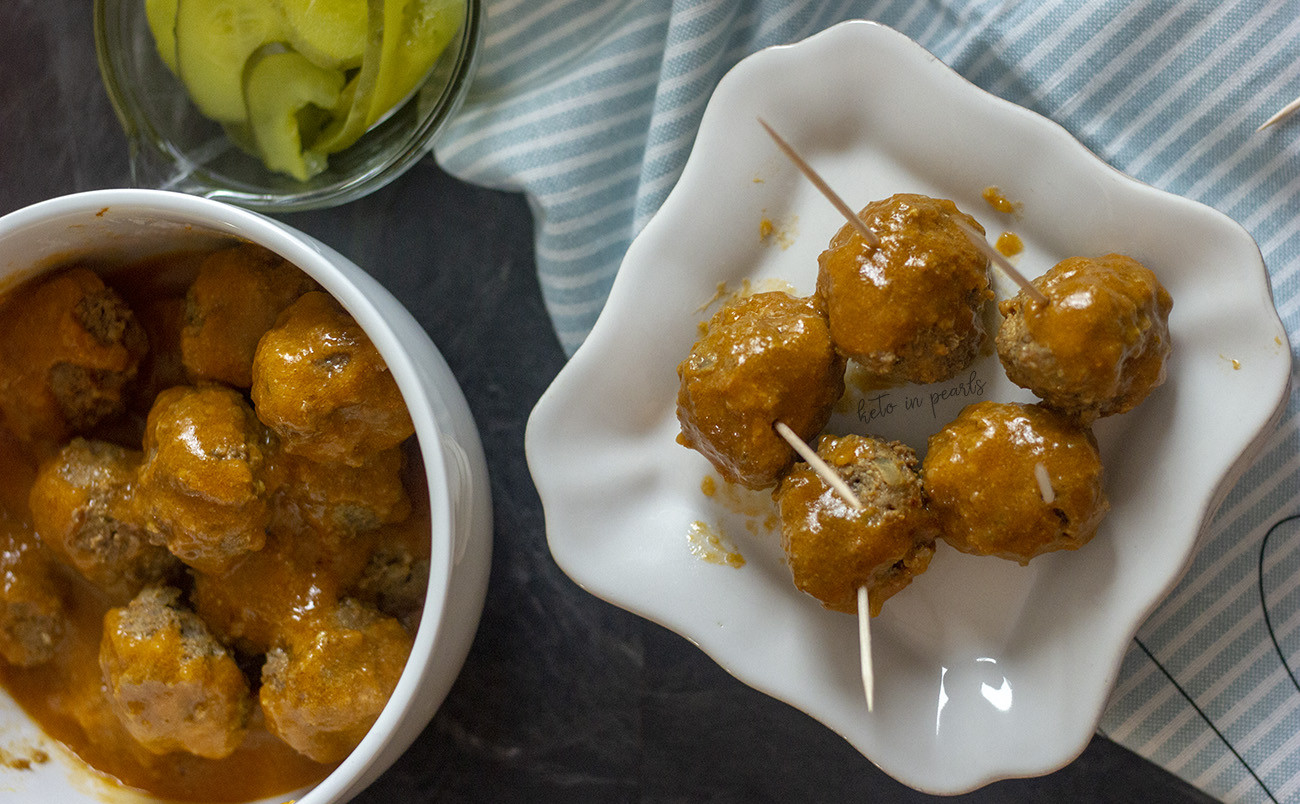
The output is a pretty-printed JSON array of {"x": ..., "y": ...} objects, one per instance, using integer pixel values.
[
  {"x": 995, "y": 199},
  {"x": 1009, "y": 244},
  {"x": 66, "y": 696},
  {"x": 712, "y": 546}
]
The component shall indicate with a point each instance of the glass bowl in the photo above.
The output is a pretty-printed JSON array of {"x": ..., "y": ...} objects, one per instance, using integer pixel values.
[{"x": 173, "y": 147}]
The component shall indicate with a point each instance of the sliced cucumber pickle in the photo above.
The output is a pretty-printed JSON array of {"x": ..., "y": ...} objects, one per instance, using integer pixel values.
[
  {"x": 214, "y": 39},
  {"x": 351, "y": 115},
  {"x": 332, "y": 33},
  {"x": 299, "y": 80},
  {"x": 161, "y": 15},
  {"x": 286, "y": 95},
  {"x": 415, "y": 34}
]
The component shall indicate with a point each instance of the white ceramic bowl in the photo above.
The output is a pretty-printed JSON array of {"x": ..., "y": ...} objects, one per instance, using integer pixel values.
[
  {"x": 984, "y": 669},
  {"x": 125, "y": 225}
]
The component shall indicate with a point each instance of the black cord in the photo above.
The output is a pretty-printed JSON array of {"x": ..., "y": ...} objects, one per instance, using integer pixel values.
[
  {"x": 1272, "y": 635},
  {"x": 1263, "y": 604},
  {"x": 1204, "y": 717}
]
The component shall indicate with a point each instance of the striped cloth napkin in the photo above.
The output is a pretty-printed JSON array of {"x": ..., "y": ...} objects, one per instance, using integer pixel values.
[{"x": 590, "y": 107}]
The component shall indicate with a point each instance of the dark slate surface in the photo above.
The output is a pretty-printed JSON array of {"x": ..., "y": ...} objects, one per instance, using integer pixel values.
[{"x": 563, "y": 697}]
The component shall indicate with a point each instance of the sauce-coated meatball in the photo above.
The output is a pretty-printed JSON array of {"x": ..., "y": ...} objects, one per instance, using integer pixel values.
[
  {"x": 201, "y": 486},
  {"x": 1100, "y": 344},
  {"x": 69, "y": 346},
  {"x": 909, "y": 310},
  {"x": 764, "y": 359},
  {"x": 83, "y": 508},
  {"x": 171, "y": 684},
  {"x": 321, "y": 385},
  {"x": 335, "y": 499},
  {"x": 324, "y": 687},
  {"x": 251, "y": 604},
  {"x": 234, "y": 300},
  {"x": 32, "y": 615},
  {"x": 834, "y": 548},
  {"x": 394, "y": 581},
  {"x": 987, "y": 494}
]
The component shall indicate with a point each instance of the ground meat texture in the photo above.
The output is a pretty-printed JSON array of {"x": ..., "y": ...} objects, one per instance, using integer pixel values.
[
  {"x": 172, "y": 685},
  {"x": 201, "y": 487},
  {"x": 32, "y": 614},
  {"x": 69, "y": 346},
  {"x": 395, "y": 581},
  {"x": 335, "y": 499},
  {"x": 985, "y": 491},
  {"x": 321, "y": 385},
  {"x": 83, "y": 508},
  {"x": 324, "y": 686},
  {"x": 236, "y": 297},
  {"x": 909, "y": 310},
  {"x": 764, "y": 359},
  {"x": 833, "y": 548},
  {"x": 1100, "y": 344}
]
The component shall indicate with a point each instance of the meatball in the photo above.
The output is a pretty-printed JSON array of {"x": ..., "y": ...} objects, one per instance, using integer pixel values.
[
  {"x": 1100, "y": 344},
  {"x": 910, "y": 309},
  {"x": 834, "y": 548},
  {"x": 338, "y": 500},
  {"x": 764, "y": 359},
  {"x": 201, "y": 487},
  {"x": 988, "y": 493},
  {"x": 32, "y": 614},
  {"x": 69, "y": 346},
  {"x": 395, "y": 581},
  {"x": 295, "y": 574},
  {"x": 321, "y": 385},
  {"x": 327, "y": 683},
  {"x": 83, "y": 508},
  {"x": 236, "y": 297},
  {"x": 173, "y": 686}
]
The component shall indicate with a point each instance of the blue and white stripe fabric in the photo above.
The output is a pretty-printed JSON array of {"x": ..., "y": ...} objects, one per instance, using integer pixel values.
[{"x": 590, "y": 107}]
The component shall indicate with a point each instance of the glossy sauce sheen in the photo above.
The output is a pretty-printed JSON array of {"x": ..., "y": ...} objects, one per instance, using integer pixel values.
[
  {"x": 910, "y": 309},
  {"x": 980, "y": 474},
  {"x": 66, "y": 695},
  {"x": 1100, "y": 346},
  {"x": 766, "y": 358},
  {"x": 833, "y": 548}
]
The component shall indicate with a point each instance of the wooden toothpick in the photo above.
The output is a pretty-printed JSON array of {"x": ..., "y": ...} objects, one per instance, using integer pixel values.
[
  {"x": 836, "y": 482},
  {"x": 864, "y": 648},
  {"x": 993, "y": 254},
  {"x": 1044, "y": 483},
  {"x": 818, "y": 182},
  {"x": 819, "y": 466},
  {"x": 1281, "y": 113}
]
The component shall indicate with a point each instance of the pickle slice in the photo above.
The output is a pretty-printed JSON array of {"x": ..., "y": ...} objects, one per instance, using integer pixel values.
[
  {"x": 415, "y": 34},
  {"x": 214, "y": 39},
  {"x": 161, "y": 15},
  {"x": 286, "y": 96},
  {"x": 332, "y": 33},
  {"x": 351, "y": 113}
]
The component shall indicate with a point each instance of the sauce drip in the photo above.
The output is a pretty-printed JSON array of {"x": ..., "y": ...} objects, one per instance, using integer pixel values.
[
  {"x": 999, "y": 202},
  {"x": 1009, "y": 244}
]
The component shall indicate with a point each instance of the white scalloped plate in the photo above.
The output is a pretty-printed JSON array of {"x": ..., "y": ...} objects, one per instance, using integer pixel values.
[{"x": 985, "y": 670}]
